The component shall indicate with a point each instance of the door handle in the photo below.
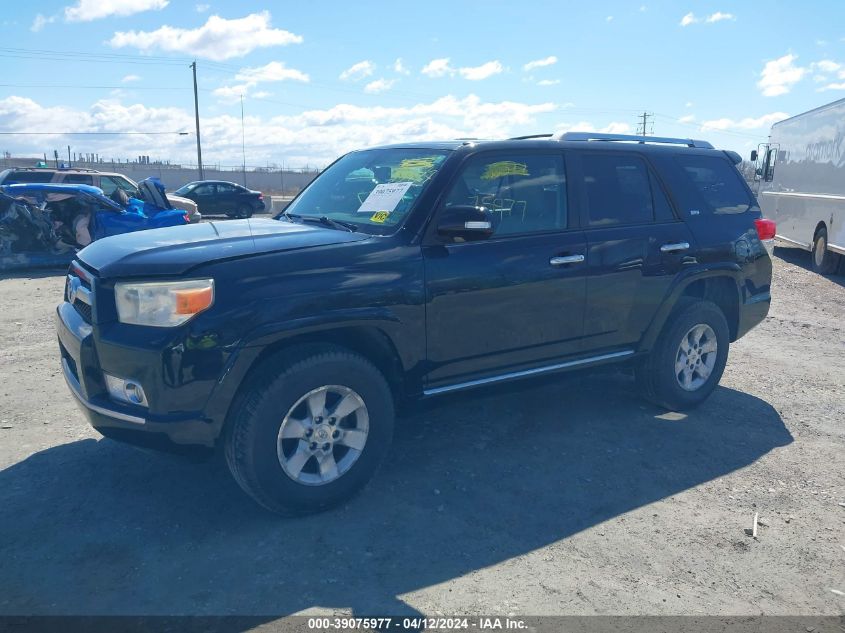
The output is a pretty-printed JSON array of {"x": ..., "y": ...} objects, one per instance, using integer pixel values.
[
  {"x": 567, "y": 259},
  {"x": 674, "y": 247}
]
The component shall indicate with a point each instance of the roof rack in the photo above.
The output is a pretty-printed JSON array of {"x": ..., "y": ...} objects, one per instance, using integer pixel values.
[
  {"x": 529, "y": 136},
  {"x": 598, "y": 136},
  {"x": 87, "y": 169}
]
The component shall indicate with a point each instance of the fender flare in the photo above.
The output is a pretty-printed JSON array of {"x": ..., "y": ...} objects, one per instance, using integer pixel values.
[{"x": 681, "y": 283}]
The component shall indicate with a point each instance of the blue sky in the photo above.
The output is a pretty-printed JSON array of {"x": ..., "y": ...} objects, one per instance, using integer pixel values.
[{"x": 321, "y": 78}]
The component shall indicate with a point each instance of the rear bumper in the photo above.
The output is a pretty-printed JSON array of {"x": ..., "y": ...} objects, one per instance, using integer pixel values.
[{"x": 753, "y": 311}]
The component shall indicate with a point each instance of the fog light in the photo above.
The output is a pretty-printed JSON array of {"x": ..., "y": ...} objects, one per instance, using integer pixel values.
[{"x": 125, "y": 390}]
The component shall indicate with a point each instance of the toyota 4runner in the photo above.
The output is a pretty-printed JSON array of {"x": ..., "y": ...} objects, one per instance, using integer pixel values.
[{"x": 409, "y": 271}]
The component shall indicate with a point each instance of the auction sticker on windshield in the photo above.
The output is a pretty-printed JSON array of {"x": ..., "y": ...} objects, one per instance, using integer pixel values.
[{"x": 385, "y": 197}]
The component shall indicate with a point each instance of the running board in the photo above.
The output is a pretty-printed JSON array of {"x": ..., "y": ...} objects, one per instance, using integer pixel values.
[{"x": 525, "y": 373}]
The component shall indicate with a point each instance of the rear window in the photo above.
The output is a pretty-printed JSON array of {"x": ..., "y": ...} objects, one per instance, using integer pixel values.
[
  {"x": 17, "y": 177},
  {"x": 718, "y": 183}
]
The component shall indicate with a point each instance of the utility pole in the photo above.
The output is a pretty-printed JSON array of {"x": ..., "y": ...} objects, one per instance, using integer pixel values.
[
  {"x": 69, "y": 163},
  {"x": 243, "y": 142},
  {"x": 642, "y": 128},
  {"x": 197, "y": 116}
]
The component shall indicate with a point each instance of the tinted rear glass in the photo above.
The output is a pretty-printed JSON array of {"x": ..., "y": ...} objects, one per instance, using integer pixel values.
[
  {"x": 718, "y": 183},
  {"x": 16, "y": 177}
]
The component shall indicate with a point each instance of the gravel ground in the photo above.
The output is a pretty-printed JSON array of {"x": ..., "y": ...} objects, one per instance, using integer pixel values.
[{"x": 561, "y": 496}]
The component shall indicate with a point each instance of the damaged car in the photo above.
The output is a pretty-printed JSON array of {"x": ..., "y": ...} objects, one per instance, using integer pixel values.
[{"x": 44, "y": 224}]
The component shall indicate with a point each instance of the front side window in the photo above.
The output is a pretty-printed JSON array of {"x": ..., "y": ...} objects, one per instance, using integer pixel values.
[
  {"x": 526, "y": 192},
  {"x": 718, "y": 183},
  {"x": 617, "y": 189},
  {"x": 374, "y": 190}
]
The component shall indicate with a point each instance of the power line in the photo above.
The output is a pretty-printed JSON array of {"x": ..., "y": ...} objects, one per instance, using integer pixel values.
[{"x": 90, "y": 133}]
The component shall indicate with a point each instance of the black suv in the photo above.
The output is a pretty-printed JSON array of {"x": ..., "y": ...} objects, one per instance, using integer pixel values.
[{"x": 409, "y": 271}]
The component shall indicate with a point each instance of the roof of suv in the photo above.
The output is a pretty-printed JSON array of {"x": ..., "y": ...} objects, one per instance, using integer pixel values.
[{"x": 577, "y": 140}]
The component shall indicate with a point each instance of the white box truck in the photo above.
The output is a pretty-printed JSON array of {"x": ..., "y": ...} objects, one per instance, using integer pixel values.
[{"x": 801, "y": 176}]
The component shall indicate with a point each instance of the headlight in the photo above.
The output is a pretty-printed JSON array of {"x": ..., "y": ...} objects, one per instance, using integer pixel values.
[{"x": 162, "y": 304}]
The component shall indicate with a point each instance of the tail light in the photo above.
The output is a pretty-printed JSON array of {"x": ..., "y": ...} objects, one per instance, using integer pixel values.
[
  {"x": 187, "y": 218},
  {"x": 766, "y": 229}
]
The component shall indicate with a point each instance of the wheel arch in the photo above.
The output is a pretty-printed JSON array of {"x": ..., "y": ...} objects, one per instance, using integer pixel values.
[
  {"x": 719, "y": 285},
  {"x": 368, "y": 340}
]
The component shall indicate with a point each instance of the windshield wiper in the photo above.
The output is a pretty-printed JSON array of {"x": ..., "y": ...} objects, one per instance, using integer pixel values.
[{"x": 324, "y": 220}]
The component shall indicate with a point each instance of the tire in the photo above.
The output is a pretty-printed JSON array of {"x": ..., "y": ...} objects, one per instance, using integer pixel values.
[
  {"x": 275, "y": 396},
  {"x": 656, "y": 375},
  {"x": 823, "y": 260}
]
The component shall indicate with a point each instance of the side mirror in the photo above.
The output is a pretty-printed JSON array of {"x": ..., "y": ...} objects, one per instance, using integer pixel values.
[
  {"x": 753, "y": 155},
  {"x": 466, "y": 222}
]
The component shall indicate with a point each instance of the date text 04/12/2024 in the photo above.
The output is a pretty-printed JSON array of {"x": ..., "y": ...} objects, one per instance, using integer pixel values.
[{"x": 417, "y": 623}]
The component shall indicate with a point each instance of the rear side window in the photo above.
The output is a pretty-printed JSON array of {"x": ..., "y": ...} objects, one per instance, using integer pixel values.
[
  {"x": 17, "y": 177},
  {"x": 718, "y": 183},
  {"x": 78, "y": 179},
  {"x": 617, "y": 189}
]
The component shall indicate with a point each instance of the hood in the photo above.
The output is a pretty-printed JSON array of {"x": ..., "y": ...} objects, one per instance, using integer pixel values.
[{"x": 175, "y": 250}]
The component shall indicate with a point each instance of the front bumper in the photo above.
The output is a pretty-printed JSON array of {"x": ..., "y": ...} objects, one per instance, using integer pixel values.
[{"x": 129, "y": 423}]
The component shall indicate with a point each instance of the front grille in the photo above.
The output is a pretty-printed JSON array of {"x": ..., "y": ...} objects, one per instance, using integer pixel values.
[
  {"x": 84, "y": 310},
  {"x": 79, "y": 290}
]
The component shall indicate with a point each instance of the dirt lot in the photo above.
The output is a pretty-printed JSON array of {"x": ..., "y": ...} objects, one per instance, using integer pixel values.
[{"x": 565, "y": 496}]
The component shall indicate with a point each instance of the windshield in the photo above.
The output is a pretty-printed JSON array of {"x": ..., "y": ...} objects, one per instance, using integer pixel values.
[
  {"x": 372, "y": 189},
  {"x": 184, "y": 189}
]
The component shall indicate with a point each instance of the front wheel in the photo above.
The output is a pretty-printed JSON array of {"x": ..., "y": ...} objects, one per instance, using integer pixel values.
[
  {"x": 688, "y": 358},
  {"x": 310, "y": 429},
  {"x": 825, "y": 262}
]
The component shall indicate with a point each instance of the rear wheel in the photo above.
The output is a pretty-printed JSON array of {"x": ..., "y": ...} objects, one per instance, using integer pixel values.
[
  {"x": 824, "y": 261},
  {"x": 310, "y": 429},
  {"x": 688, "y": 358}
]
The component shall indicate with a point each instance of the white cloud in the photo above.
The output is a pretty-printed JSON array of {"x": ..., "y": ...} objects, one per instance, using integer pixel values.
[
  {"x": 233, "y": 92},
  {"x": 539, "y": 63},
  {"x": 689, "y": 104},
  {"x": 643, "y": 8},
  {"x": 688, "y": 19},
  {"x": 358, "y": 71},
  {"x": 202, "y": 7},
  {"x": 315, "y": 136},
  {"x": 689, "y": 118},
  {"x": 261, "y": 94},
  {"x": 251, "y": 77},
  {"x": 274, "y": 71},
  {"x": 399, "y": 67},
  {"x": 719, "y": 16},
  {"x": 614, "y": 127},
  {"x": 476, "y": 73},
  {"x": 40, "y": 22},
  {"x": 438, "y": 68},
  {"x": 833, "y": 86},
  {"x": 826, "y": 65},
  {"x": 748, "y": 123},
  {"x": 130, "y": 78},
  {"x": 779, "y": 75},
  {"x": 548, "y": 82},
  {"x": 87, "y": 10},
  {"x": 379, "y": 85},
  {"x": 218, "y": 39},
  {"x": 609, "y": 18}
]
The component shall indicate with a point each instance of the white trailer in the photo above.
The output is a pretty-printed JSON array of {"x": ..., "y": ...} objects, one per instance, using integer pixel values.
[{"x": 801, "y": 175}]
